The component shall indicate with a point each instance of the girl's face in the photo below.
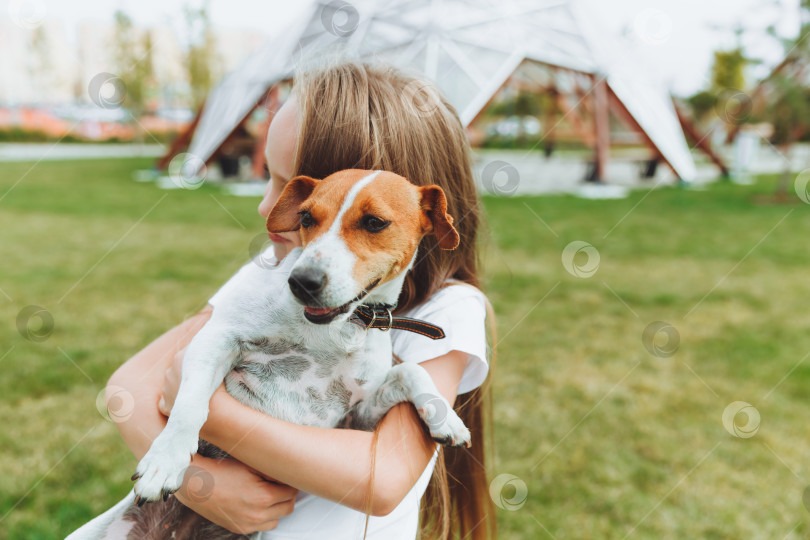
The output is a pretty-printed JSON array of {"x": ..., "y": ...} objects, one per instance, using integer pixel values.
[{"x": 279, "y": 152}]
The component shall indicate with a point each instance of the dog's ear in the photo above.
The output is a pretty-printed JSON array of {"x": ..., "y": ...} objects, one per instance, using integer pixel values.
[
  {"x": 435, "y": 218},
  {"x": 284, "y": 215}
]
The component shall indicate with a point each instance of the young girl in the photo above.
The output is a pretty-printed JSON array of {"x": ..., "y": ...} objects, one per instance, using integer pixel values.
[{"x": 342, "y": 116}]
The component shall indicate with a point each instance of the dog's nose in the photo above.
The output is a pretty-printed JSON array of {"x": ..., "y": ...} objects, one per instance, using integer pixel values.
[{"x": 307, "y": 283}]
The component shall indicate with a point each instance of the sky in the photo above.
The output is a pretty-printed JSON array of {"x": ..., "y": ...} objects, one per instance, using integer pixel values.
[{"x": 675, "y": 38}]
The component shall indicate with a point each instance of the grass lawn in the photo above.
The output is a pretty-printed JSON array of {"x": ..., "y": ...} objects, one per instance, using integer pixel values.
[{"x": 610, "y": 440}]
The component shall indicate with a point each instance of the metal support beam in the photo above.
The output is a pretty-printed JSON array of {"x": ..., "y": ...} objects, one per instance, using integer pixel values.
[
  {"x": 182, "y": 141},
  {"x": 601, "y": 127},
  {"x": 624, "y": 115},
  {"x": 700, "y": 140}
]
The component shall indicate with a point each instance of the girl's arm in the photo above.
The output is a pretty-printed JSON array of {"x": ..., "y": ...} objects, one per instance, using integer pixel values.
[
  {"x": 335, "y": 463},
  {"x": 142, "y": 377},
  {"x": 330, "y": 463},
  {"x": 242, "y": 500}
]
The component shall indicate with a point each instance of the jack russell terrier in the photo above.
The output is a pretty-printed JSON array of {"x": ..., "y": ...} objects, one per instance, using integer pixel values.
[{"x": 294, "y": 340}]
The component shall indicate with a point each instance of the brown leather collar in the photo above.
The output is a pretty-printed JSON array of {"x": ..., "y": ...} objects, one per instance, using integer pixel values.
[{"x": 379, "y": 316}]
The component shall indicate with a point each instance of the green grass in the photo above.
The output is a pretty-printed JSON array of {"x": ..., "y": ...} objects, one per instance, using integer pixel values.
[{"x": 610, "y": 440}]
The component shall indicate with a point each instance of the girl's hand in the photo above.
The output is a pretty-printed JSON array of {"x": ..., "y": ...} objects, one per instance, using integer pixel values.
[
  {"x": 234, "y": 496},
  {"x": 171, "y": 384},
  {"x": 227, "y": 492}
]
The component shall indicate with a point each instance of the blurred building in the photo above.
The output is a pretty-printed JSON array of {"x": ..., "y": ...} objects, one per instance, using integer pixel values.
[
  {"x": 52, "y": 65},
  {"x": 45, "y": 71},
  {"x": 37, "y": 65}
]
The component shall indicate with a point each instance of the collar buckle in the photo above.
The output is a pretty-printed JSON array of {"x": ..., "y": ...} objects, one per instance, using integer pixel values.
[
  {"x": 390, "y": 320},
  {"x": 374, "y": 317}
]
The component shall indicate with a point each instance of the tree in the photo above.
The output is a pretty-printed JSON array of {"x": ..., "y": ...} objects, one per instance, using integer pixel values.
[
  {"x": 727, "y": 80},
  {"x": 728, "y": 70},
  {"x": 40, "y": 69},
  {"x": 787, "y": 96},
  {"x": 201, "y": 61},
  {"x": 133, "y": 60},
  {"x": 787, "y": 110}
]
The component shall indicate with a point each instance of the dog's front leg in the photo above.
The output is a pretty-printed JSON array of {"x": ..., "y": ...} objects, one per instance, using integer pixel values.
[
  {"x": 208, "y": 359},
  {"x": 410, "y": 382}
]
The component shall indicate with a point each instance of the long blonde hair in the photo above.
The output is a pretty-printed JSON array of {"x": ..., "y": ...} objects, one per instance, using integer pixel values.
[{"x": 372, "y": 116}]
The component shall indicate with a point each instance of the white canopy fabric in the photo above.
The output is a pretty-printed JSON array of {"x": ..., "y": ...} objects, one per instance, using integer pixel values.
[
  {"x": 238, "y": 93},
  {"x": 644, "y": 97},
  {"x": 469, "y": 48}
]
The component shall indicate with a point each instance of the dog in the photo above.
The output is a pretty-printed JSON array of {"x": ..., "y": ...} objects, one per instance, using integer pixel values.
[{"x": 304, "y": 341}]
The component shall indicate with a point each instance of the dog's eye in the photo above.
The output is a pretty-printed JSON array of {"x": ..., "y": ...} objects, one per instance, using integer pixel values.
[
  {"x": 307, "y": 220},
  {"x": 373, "y": 223}
]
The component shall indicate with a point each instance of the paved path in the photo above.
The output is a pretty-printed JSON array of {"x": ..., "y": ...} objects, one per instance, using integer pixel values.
[
  {"x": 59, "y": 151},
  {"x": 512, "y": 172},
  {"x": 505, "y": 172}
]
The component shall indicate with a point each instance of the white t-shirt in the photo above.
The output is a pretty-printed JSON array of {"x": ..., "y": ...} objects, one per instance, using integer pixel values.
[{"x": 459, "y": 309}]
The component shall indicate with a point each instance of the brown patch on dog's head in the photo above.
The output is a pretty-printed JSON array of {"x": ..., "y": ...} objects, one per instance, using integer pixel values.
[
  {"x": 409, "y": 212},
  {"x": 323, "y": 204},
  {"x": 393, "y": 201},
  {"x": 381, "y": 226},
  {"x": 284, "y": 215}
]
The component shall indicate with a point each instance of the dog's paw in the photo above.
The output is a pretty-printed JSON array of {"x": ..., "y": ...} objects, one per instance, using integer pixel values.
[
  {"x": 160, "y": 472},
  {"x": 452, "y": 432},
  {"x": 444, "y": 424}
]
